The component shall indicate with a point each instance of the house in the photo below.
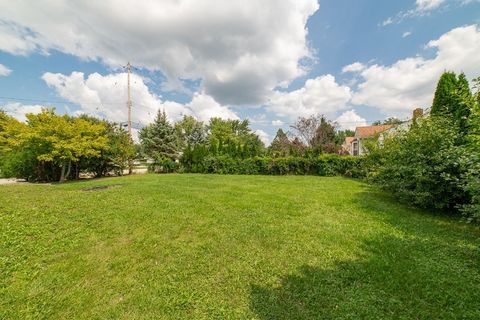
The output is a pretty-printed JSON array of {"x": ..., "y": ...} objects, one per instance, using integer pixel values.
[
  {"x": 355, "y": 145},
  {"x": 347, "y": 144}
]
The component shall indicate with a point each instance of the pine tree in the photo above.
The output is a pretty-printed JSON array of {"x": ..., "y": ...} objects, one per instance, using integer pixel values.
[
  {"x": 280, "y": 145},
  {"x": 158, "y": 139}
]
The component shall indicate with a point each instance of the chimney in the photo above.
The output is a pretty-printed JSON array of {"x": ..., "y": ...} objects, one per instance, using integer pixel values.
[{"x": 417, "y": 113}]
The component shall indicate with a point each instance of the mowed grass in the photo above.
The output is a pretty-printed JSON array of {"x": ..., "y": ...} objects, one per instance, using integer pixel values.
[{"x": 230, "y": 247}]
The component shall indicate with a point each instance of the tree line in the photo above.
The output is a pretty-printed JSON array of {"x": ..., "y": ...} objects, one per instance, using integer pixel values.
[{"x": 50, "y": 147}]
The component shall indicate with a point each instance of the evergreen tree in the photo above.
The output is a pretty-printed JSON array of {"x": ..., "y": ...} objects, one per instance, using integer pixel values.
[
  {"x": 158, "y": 139},
  {"x": 325, "y": 134},
  {"x": 280, "y": 145},
  {"x": 464, "y": 103},
  {"x": 444, "y": 97},
  {"x": 454, "y": 99}
]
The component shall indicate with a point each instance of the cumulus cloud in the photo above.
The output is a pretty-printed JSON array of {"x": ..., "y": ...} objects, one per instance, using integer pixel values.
[
  {"x": 354, "y": 67},
  {"x": 4, "y": 71},
  {"x": 239, "y": 49},
  {"x": 319, "y": 95},
  {"x": 205, "y": 107},
  {"x": 350, "y": 120},
  {"x": 18, "y": 110},
  {"x": 408, "y": 83},
  {"x": 106, "y": 96}
]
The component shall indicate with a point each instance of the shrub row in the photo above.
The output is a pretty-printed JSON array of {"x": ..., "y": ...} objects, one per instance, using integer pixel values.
[{"x": 324, "y": 165}]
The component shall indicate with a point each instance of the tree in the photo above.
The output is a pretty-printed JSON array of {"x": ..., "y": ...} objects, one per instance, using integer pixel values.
[
  {"x": 189, "y": 131},
  {"x": 453, "y": 98},
  {"x": 280, "y": 145},
  {"x": 324, "y": 136},
  {"x": 305, "y": 128},
  {"x": 233, "y": 138},
  {"x": 116, "y": 155},
  {"x": 297, "y": 148},
  {"x": 444, "y": 94},
  {"x": 158, "y": 139},
  {"x": 60, "y": 140},
  {"x": 391, "y": 120},
  {"x": 340, "y": 136}
]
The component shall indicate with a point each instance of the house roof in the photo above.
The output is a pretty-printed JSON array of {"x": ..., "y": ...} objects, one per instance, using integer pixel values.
[
  {"x": 348, "y": 140},
  {"x": 370, "y": 131}
]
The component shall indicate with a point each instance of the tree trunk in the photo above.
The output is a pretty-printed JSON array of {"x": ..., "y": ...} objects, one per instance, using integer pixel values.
[
  {"x": 68, "y": 170},
  {"x": 62, "y": 175},
  {"x": 65, "y": 173}
]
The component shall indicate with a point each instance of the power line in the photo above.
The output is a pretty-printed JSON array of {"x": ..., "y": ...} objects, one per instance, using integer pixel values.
[
  {"x": 149, "y": 108},
  {"x": 57, "y": 101}
]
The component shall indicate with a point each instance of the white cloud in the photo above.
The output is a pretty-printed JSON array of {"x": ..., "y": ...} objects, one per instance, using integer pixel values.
[
  {"x": 426, "y": 5},
  {"x": 354, "y": 67},
  {"x": 350, "y": 120},
  {"x": 4, "y": 71},
  {"x": 106, "y": 96},
  {"x": 277, "y": 123},
  {"x": 320, "y": 95},
  {"x": 388, "y": 21},
  {"x": 422, "y": 8},
  {"x": 411, "y": 82},
  {"x": 18, "y": 110},
  {"x": 264, "y": 137},
  {"x": 205, "y": 107},
  {"x": 240, "y": 49},
  {"x": 406, "y": 34}
]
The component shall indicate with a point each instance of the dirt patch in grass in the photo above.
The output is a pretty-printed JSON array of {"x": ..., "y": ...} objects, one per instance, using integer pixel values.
[{"x": 98, "y": 188}]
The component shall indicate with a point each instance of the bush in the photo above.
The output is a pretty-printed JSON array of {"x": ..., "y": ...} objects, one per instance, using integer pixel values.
[
  {"x": 423, "y": 166},
  {"x": 471, "y": 186},
  {"x": 163, "y": 165},
  {"x": 323, "y": 165}
]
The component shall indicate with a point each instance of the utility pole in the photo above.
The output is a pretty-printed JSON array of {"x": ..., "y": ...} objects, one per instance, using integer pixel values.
[
  {"x": 129, "y": 102},
  {"x": 129, "y": 106}
]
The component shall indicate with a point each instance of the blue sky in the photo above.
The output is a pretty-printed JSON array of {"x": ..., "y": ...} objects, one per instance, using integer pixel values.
[{"x": 270, "y": 63}]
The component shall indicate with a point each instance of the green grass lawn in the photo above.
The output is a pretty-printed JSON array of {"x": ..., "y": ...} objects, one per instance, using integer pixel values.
[{"x": 230, "y": 247}]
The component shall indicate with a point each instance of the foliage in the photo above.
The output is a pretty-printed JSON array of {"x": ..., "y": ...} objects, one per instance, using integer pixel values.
[
  {"x": 423, "y": 166},
  {"x": 391, "y": 120},
  {"x": 233, "y": 138},
  {"x": 163, "y": 165},
  {"x": 280, "y": 145},
  {"x": 114, "y": 157},
  {"x": 191, "y": 132},
  {"x": 323, "y": 165},
  {"x": 471, "y": 186},
  {"x": 340, "y": 136},
  {"x": 453, "y": 98},
  {"x": 305, "y": 129},
  {"x": 158, "y": 139},
  {"x": 54, "y": 148}
]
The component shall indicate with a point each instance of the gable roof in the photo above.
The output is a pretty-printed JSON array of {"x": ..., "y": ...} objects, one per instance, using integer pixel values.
[{"x": 370, "y": 131}]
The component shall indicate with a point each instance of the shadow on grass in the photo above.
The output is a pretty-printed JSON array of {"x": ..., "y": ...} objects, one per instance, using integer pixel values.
[
  {"x": 393, "y": 282},
  {"x": 428, "y": 268}
]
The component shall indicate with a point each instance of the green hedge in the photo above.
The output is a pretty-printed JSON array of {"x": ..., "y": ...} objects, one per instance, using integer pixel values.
[{"x": 324, "y": 165}]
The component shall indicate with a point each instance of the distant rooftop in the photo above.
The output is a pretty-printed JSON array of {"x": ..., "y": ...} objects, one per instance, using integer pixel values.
[{"x": 370, "y": 131}]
